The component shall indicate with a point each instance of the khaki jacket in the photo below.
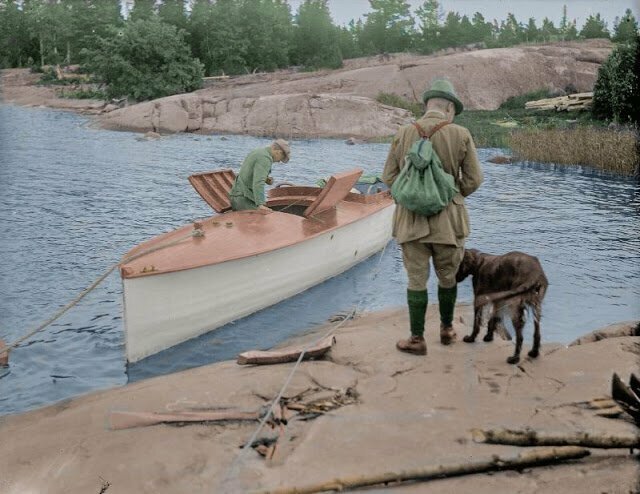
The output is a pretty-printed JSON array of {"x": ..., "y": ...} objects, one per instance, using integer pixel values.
[{"x": 457, "y": 152}]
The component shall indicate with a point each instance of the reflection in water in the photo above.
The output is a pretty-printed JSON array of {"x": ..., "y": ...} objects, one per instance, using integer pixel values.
[{"x": 73, "y": 200}]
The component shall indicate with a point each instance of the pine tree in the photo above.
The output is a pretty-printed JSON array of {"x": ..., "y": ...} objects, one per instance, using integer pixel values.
[
  {"x": 429, "y": 22},
  {"x": 316, "y": 38},
  {"x": 142, "y": 9},
  {"x": 594, "y": 27},
  {"x": 625, "y": 30},
  {"x": 389, "y": 26},
  {"x": 173, "y": 12}
]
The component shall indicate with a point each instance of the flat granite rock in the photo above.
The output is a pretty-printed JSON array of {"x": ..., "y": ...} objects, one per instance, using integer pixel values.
[{"x": 406, "y": 412}]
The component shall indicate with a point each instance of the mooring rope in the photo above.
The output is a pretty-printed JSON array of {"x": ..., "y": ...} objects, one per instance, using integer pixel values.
[
  {"x": 86, "y": 291},
  {"x": 240, "y": 458}
]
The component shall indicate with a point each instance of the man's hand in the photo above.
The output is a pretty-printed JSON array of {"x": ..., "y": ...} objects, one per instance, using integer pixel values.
[{"x": 269, "y": 181}]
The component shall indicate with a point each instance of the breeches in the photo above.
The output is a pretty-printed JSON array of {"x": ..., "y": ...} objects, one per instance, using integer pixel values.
[{"x": 446, "y": 260}]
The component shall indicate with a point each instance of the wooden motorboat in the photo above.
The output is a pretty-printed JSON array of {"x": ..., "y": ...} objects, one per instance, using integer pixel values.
[{"x": 187, "y": 282}]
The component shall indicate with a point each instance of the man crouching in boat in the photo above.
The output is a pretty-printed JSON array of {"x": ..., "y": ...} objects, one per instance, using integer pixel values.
[{"x": 248, "y": 190}]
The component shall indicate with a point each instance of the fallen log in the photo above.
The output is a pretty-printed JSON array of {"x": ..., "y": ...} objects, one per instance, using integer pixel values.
[
  {"x": 288, "y": 354},
  {"x": 530, "y": 437},
  {"x": 527, "y": 459},
  {"x": 129, "y": 420}
]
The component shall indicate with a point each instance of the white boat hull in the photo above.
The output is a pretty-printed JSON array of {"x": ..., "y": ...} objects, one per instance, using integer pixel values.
[{"x": 166, "y": 309}]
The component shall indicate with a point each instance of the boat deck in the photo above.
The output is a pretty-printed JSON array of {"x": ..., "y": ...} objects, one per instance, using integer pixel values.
[{"x": 238, "y": 234}]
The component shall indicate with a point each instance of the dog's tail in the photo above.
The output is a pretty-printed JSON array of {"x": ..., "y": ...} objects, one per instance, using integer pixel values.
[{"x": 491, "y": 298}]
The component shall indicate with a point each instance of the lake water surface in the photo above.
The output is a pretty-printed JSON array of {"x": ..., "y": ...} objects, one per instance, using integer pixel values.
[{"x": 74, "y": 199}]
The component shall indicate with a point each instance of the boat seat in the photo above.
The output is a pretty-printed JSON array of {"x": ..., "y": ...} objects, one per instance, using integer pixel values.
[{"x": 214, "y": 188}]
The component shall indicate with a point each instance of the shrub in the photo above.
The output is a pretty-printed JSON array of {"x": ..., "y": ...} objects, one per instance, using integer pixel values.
[
  {"x": 146, "y": 59},
  {"x": 392, "y": 99},
  {"x": 516, "y": 102},
  {"x": 615, "y": 94}
]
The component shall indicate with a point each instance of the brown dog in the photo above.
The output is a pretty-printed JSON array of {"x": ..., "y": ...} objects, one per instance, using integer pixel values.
[{"x": 513, "y": 281}]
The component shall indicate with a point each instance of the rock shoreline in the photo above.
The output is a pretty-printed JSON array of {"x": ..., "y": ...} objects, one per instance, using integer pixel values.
[
  {"x": 402, "y": 412},
  {"x": 340, "y": 103}
]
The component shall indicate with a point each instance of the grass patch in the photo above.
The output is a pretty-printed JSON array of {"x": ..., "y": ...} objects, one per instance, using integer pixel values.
[
  {"x": 84, "y": 94},
  {"x": 392, "y": 99},
  {"x": 610, "y": 150}
]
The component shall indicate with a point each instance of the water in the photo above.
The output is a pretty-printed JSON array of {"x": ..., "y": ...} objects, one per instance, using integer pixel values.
[{"x": 74, "y": 199}]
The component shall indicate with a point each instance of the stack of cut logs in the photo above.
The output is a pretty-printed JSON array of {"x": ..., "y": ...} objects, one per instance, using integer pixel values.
[{"x": 572, "y": 102}]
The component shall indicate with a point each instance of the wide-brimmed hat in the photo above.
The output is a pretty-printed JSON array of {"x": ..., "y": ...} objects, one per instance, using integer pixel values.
[
  {"x": 286, "y": 149},
  {"x": 441, "y": 88}
]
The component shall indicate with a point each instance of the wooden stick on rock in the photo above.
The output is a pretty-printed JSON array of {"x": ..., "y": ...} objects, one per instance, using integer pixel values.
[
  {"x": 530, "y": 458},
  {"x": 532, "y": 438}
]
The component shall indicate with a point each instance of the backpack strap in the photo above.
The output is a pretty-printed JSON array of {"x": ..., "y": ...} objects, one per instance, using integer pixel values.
[{"x": 427, "y": 135}]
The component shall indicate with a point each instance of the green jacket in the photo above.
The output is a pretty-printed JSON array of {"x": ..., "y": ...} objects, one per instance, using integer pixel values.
[
  {"x": 251, "y": 179},
  {"x": 457, "y": 152}
]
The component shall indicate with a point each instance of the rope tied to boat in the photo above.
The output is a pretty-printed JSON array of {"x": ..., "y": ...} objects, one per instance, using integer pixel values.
[
  {"x": 5, "y": 350},
  {"x": 241, "y": 457}
]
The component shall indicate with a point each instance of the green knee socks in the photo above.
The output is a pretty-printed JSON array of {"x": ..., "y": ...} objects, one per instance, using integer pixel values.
[
  {"x": 417, "y": 301},
  {"x": 447, "y": 301}
]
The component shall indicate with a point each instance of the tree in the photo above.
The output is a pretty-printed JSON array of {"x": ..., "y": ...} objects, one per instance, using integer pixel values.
[
  {"x": 142, "y": 9},
  {"x": 594, "y": 27},
  {"x": 14, "y": 37},
  {"x": 172, "y": 12},
  {"x": 482, "y": 31},
  {"x": 615, "y": 94},
  {"x": 531, "y": 32},
  {"x": 511, "y": 32},
  {"x": 316, "y": 39},
  {"x": 548, "y": 31},
  {"x": 50, "y": 25},
  {"x": 389, "y": 27},
  {"x": 266, "y": 27},
  {"x": 625, "y": 30},
  {"x": 429, "y": 19},
  {"x": 145, "y": 59}
]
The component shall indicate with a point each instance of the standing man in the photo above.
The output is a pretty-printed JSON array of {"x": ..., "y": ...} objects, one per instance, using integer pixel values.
[
  {"x": 248, "y": 189},
  {"x": 442, "y": 235}
]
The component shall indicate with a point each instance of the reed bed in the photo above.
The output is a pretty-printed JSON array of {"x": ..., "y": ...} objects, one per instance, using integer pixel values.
[{"x": 615, "y": 151}]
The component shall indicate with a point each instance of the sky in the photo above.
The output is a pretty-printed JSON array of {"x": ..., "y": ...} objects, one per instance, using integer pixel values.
[{"x": 343, "y": 11}]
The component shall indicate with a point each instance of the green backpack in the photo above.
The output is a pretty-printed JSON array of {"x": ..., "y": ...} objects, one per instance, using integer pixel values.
[{"x": 422, "y": 186}]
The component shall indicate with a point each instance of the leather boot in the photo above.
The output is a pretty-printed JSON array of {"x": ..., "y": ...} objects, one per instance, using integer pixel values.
[
  {"x": 447, "y": 334},
  {"x": 417, "y": 300},
  {"x": 415, "y": 345},
  {"x": 447, "y": 302}
]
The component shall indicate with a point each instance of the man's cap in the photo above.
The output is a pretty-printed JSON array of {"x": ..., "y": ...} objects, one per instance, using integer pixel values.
[
  {"x": 286, "y": 149},
  {"x": 441, "y": 88}
]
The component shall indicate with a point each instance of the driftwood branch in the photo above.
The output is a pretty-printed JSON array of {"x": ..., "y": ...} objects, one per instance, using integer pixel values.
[
  {"x": 532, "y": 438},
  {"x": 288, "y": 354},
  {"x": 532, "y": 458},
  {"x": 128, "y": 420}
]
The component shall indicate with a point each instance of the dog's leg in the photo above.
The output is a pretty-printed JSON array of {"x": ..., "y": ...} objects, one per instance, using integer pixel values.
[
  {"x": 477, "y": 322},
  {"x": 491, "y": 327},
  {"x": 535, "y": 349},
  {"x": 517, "y": 317}
]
